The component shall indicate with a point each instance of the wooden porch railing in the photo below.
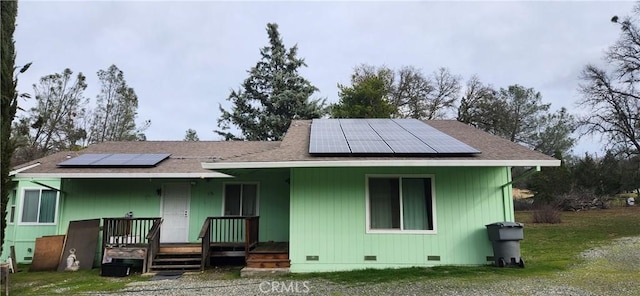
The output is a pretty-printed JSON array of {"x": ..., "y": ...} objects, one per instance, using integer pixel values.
[
  {"x": 153, "y": 239},
  {"x": 127, "y": 231},
  {"x": 228, "y": 229}
]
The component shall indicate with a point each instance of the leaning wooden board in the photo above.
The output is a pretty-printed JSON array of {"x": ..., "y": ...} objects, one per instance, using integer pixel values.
[
  {"x": 81, "y": 242},
  {"x": 46, "y": 256}
]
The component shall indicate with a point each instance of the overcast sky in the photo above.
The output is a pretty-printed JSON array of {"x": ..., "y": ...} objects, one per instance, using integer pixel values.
[{"x": 183, "y": 58}]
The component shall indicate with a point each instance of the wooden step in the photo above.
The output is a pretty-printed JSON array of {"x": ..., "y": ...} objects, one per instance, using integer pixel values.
[
  {"x": 269, "y": 263},
  {"x": 177, "y": 255},
  {"x": 177, "y": 259},
  {"x": 176, "y": 266},
  {"x": 228, "y": 254},
  {"x": 268, "y": 256},
  {"x": 181, "y": 249}
]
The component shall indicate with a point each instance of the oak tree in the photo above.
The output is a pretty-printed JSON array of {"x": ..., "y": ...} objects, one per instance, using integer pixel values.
[
  {"x": 114, "y": 118},
  {"x": 612, "y": 96}
]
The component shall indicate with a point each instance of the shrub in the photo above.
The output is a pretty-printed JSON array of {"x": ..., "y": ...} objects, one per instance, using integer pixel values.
[
  {"x": 583, "y": 200},
  {"x": 523, "y": 204},
  {"x": 547, "y": 214}
]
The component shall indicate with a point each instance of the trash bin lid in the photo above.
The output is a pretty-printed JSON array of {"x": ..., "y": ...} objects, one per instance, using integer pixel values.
[{"x": 505, "y": 224}]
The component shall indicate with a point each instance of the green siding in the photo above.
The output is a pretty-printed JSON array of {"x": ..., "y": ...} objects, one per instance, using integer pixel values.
[
  {"x": 328, "y": 208},
  {"x": 23, "y": 236},
  {"x": 99, "y": 198}
]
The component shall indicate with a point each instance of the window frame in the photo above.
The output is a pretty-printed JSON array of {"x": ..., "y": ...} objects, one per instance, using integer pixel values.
[
  {"x": 55, "y": 214},
  {"x": 224, "y": 197},
  {"x": 370, "y": 230},
  {"x": 11, "y": 219}
]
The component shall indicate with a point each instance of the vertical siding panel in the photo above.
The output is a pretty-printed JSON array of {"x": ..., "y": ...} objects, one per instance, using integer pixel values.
[{"x": 328, "y": 219}]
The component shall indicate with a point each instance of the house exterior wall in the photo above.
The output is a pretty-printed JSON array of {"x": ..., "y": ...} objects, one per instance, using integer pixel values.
[
  {"x": 22, "y": 235},
  {"x": 328, "y": 219},
  {"x": 107, "y": 198}
]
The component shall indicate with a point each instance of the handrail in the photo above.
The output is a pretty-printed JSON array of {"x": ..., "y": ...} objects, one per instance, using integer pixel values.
[
  {"x": 251, "y": 234},
  {"x": 138, "y": 232},
  {"x": 153, "y": 239},
  {"x": 205, "y": 228},
  {"x": 155, "y": 229},
  {"x": 205, "y": 236},
  {"x": 127, "y": 231},
  {"x": 228, "y": 229}
]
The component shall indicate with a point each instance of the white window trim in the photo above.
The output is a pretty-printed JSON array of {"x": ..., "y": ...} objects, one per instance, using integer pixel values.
[
  {"x": 224, "y": 194},
  {"x": 12, "y": 207},
  {"x": 55, "y": 216},
  {"x": 400, "y": 231}
]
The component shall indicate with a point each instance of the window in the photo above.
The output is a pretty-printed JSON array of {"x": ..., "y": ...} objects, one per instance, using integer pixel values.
[
  {"x": 12, "y": 209},
  {"x": 400, "y": 204},
  {"x": 241, "y": 199},
  {"x": 39, "y": 206}
]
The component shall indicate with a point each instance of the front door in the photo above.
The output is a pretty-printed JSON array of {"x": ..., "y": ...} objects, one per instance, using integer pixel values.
[{"x": 175, "y": 212}]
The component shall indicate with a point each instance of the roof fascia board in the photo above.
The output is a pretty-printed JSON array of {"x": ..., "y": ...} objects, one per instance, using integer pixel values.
[
  {"x": 16, "y": 171},
  {"x": 124, "y": 175},
  {"x": 381, "y": 163}
]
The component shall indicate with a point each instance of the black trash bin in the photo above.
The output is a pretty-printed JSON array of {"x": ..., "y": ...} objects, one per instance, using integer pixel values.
[
  {"x": 506, "y": 237},
  {"x": 115, "y": 269}
]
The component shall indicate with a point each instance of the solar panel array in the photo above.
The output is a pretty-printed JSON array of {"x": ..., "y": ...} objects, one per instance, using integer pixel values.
[
  {"x": 115, "y": 160},
  {"x": 381, "y": 136}
]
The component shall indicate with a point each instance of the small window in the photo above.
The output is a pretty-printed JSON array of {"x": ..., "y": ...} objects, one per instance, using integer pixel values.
[
  {"x": 12, "y": 209},
  {"x": 39, "y": 206},
  {"x": 241, "y": 199},
  {"x": 12, "y": 214},
  {"x": 400, "y": 204}
]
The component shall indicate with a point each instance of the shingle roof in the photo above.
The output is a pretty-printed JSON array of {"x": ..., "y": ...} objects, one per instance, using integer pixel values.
[
  {"x": 188, "y": 157},
  {"x": 295, "y": 145}
]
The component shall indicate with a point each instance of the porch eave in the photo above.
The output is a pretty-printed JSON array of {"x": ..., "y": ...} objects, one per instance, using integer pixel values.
[
  {"x": 204, "y": 175},
  {"x": 385, "y": 163}
]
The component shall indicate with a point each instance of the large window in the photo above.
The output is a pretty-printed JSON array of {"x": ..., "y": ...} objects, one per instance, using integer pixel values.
[
  {"x": 39, "y": 206},
  {"x": 241, "y": 199},
  {"x": 400, "y": 204}
]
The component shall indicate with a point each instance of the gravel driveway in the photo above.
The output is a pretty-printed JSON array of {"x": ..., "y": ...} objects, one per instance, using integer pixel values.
[{"x": 610, "y": 270}]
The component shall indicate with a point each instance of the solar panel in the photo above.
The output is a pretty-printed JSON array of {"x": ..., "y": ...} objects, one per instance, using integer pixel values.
[
  {"x": 115, "y": 160},
  {"x": 414, "y": 146},
  {"x": 369, "y": 147},
  {"x": 327, "y": 137},
  {"x": 83, "y": 159},
  {"x": 439, "y": 141},
  {"x": 147, "y": 159},
  {"x": 382, "y": 136}
]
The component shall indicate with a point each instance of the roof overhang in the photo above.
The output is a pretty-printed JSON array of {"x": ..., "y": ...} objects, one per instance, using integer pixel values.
[
  {"x": 382, "y": 163},
  {"x": 22, "y": 169},
  {"x": 207, "y": 175}
]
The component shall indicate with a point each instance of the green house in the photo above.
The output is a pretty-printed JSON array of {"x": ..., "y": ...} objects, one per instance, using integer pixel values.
[{"x": 305, "y": 203}]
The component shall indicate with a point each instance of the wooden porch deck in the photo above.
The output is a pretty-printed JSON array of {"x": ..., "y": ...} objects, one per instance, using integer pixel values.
[{"x": 221, "y": 237}]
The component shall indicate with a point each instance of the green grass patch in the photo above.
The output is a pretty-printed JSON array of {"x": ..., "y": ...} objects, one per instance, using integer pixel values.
[
  {"x": 51, "y": 282},
  {"x": 370, "y": 276},
  {"x": 546, "y": 249},
  {"x": 554, "y": 247}
]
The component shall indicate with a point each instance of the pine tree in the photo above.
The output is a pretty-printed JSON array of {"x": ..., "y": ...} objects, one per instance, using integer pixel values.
[
  {"x": 191, "y": 136},
  {"x": 273, "y": 95}
]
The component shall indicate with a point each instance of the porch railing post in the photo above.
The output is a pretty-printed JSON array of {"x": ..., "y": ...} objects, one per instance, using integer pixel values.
[{"x": 205, "y": 236}]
